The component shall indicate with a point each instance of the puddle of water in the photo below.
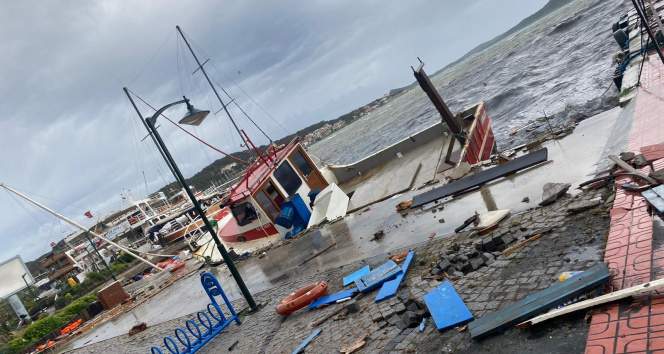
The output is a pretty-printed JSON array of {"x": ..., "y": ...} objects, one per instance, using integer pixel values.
[{"x": 574, "y": 158}]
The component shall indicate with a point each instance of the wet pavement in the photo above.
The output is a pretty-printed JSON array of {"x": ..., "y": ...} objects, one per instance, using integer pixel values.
[{"x": 574, "y": 159}]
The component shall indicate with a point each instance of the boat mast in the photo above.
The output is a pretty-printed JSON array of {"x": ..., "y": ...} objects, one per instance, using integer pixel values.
[{"x": 214, "y": 89}]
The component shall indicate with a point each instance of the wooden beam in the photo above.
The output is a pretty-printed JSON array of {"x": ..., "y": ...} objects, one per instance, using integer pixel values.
[
  {"x": 628, "y": 168},
  {"x": 616, "y": 295}
]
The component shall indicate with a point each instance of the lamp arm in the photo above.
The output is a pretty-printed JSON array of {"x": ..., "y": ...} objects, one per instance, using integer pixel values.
[{"x": 161, "y": 110}]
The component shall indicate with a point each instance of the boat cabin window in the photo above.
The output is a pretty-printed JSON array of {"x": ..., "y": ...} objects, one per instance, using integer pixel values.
[
  {"x": 287, "y": 177},
  {"x": 244, "y": 213},
  {"x": 270, "y": 200},
  {"x": 301, "y": 163}
]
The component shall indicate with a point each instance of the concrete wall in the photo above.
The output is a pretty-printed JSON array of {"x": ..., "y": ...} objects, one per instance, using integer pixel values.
[{"x": 344, "y": 173}]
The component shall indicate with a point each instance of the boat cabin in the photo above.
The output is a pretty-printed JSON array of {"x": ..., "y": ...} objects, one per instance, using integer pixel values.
[{"x": 255, "y": 202}]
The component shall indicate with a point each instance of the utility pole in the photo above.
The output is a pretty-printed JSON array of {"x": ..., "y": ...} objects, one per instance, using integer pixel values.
[{"x": 214, "y": 89}]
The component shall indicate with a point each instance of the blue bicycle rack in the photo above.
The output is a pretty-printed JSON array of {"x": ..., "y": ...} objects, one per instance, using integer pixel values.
[{"x": 212, "y": 321}]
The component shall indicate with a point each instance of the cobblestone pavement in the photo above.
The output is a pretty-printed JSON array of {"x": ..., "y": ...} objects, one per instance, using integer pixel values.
[{"x": 573, "y": 242}]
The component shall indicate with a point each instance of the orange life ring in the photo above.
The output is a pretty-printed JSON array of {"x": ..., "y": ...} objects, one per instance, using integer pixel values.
[{"x": 301, "y": 298}]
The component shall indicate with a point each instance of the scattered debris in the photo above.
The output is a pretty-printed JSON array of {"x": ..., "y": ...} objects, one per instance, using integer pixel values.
[
  {"x": 553, "y": 191},
  {"x": 378, "y": 276},
  {"x": 639, "y": 161},
  {"x": 389, "y": 288},
  {"x": 230, "y": 349},
  {"x": 406, "y": 204},
  {"x": 398, "y": 257},
  {"x": 583, "y": 205},
  {"x": 355, "y": 346},
  {"x": 461, "y": 170},
  {"x": 306, "y": 341},
  {"x": 137, "y": 328},
  {"x": 446, "y": 307},
  {"x": 655, "y": 197},
  {"x": 627, "y": 156},
  {"x": 350, "y": 278},
  {"x": 525, "y": 200},
  {"x": 481, "y": 178},
  {"x": 422, "y": 325},
  {"x": 657, "y": 175},
  {"x": 467, "y": 222},
  {"x": 490, "y": 220},
  {"x": 508, "y": 251},
  {"x": 332, "y": 298},
  {"x": 539, "y": 302},
  {"x": 625, "y": 166},
  {"x": 614, "y": 296},
  {"x": 633, "y": 187},
  {"x": 378, "y": 236}
]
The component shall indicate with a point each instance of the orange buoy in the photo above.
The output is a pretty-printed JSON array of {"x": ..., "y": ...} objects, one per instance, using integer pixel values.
[{"x": 301, "y": 298}]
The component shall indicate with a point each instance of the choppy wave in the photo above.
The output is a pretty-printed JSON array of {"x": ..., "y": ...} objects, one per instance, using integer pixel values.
[{"x": 560, "y": 65}]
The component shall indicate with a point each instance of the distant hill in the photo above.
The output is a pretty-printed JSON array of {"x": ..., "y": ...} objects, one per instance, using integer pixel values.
[{"x": 226, "y": 168}]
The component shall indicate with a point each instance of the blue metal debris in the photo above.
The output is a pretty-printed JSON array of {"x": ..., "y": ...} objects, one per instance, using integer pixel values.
[
  {"x": 390, "y": 288},
  {"x": 378, "y": 276},
  {"x": 306, "y": 341},
  {"x": 350, "y": 278},
  {"x": 655, "y": 196},
  {"x": 446, "y": 307},
  {"x": 195, "y": 334},
  {"x": 332, "y": 298}
]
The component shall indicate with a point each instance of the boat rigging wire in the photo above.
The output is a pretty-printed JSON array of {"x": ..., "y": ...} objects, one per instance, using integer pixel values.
[
  {"x": 189, "y": 133},
  {"x": 77, "y": 225}
]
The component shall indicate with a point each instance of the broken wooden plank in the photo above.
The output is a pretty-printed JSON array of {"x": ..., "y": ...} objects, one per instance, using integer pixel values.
[
  {"x": 378, "y": 276},
  {"x": 389, "y": 288},
  {"x": 332, "y": 298},
  {"x": 355, "y": 346},
  {"x": 520, "y": 244},
  {"x": 350, "y": 278},
  {"x": 628, "y": 168},
  {"x": 616, "y": 295},
  {"x": 446, "y": 307},
  {"x": 481, "y": 177},
  {"x": 306, "y": 341},
  {"x": 539, "y": 302}
]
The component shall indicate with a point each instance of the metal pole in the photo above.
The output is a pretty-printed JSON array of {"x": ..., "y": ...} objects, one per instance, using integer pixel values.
[
  {"x": 647, "y": 26},
  {"x": 140, "y": 116},
  {"x": 94, "y": 247},
  {"x": 214, "y": 89},
  {"x": 199, "y": 210}
]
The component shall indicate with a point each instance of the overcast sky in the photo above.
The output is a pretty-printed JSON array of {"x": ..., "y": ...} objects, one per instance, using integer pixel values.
[{"x": 69, "y": 137}]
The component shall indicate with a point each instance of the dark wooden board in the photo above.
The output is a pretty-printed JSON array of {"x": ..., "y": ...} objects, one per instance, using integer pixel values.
[
  {"x": 481, "y": 178},
  {"x": 539, "y": 302}
]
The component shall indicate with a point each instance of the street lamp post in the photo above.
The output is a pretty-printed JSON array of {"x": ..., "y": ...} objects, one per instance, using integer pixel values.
[{"x": 195, "y": 117}]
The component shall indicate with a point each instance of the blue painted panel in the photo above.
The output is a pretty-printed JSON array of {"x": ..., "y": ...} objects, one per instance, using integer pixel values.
[
  {"x": 350, "y": 278},
  {"x": 446, "y": 307},
  {"x": 331, "y": 298},
  {"x": 390, "y": 288},
  {"x": 306, "y": 341},
  {"x": 378, "y": 276}
]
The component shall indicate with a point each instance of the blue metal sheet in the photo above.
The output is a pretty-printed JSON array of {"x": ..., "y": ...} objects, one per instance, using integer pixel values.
[
  {"x": 378, "y": 276},
  {"x": 350, "y": 278},
  {"x": 331, "y": 298},
  {"x": 390, "y": 288},
  {"x": 446, "y": 307},
  {"x": 306, "y": 341}
]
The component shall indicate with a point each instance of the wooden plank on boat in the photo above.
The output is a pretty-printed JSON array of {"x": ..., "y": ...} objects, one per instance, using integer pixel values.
[
  {"x": 378, "y": 276},
  {"x": 350, "y": 278},
  {"x": 539, "y": 302},
  {"x": 332, "y": 298},
  {"x": 481, "y": 177},
  {"x": 446, "y": 307},
  {"x": 390, "y": 288}
]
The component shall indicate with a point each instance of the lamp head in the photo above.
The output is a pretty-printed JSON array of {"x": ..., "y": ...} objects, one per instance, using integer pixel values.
[{"x": 193, "y": 116}]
